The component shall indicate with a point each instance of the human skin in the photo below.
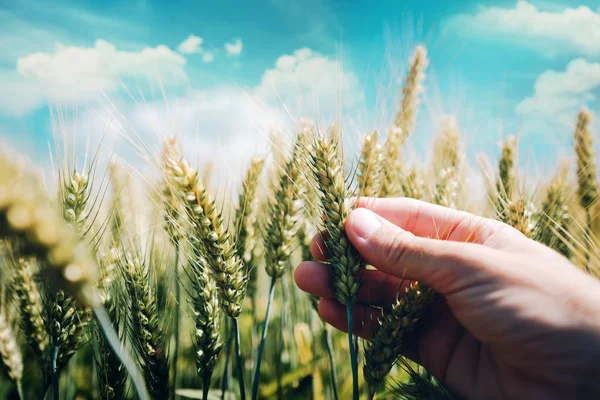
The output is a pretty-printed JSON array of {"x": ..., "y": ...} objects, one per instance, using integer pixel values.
[{"x": 518, "y": 320}]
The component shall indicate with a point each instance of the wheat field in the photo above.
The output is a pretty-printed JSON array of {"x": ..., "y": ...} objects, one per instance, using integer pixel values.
[{"x": 184, "y": 292}]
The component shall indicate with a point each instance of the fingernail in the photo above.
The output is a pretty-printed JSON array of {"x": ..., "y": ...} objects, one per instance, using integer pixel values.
[{"x": 364, "y": 223}]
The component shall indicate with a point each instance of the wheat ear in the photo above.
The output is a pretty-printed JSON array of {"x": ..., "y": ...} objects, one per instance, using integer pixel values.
[
  {"x": 172, "y": 225},
  {"x": 370, "y": 166},
  {"x": 26, "y": 214},
  {"x": 347, "y": 264},
  {"x": 506, "y": 176},
  {"x": 447, "y": 164},
  {"x": 207, "y": 318},
  {"x": 403, "y": 125},
  {"x": 10, "y": 353},
  {"x": 111, "y": 373},
  {"x": 553, "y": 228},
  {"x": 391, "y": 338},
  {"x": 30, "y": 307},
  {"x": 212, "y": 241},
  {"x": 586, "y": 175},
  {"x": 65, "y": 324},
  {"x": 284, "y": 221},
  {"x": 144, "y": 329}
]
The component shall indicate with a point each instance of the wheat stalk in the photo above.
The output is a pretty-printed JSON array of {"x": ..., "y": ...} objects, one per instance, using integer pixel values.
[
  {"x": 284, "y": 221},
  {"x": 212, "y": 241},
  {"x": 172, "y": 225},
  {"x": 346, "y": 263}
]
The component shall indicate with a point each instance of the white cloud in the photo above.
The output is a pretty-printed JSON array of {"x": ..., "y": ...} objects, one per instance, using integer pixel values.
[
  {"x": 306, "y": 78},
  {"x": 547, "y": 31},
  {"x": 208, "y": 57},
  {"x": 227, "y": 126},
  {"x": 234, "y": 48},
  {"x": 558, "y": 95},
  {"x": 191, "y": 45},
  {"x": 75, "y": 75}
]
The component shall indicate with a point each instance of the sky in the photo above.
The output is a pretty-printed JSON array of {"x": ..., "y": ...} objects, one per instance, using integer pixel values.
[{"x": 224, "y": 74}]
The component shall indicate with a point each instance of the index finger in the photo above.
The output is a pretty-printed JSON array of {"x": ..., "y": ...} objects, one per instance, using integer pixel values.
[{"x": 432, "y": 221}]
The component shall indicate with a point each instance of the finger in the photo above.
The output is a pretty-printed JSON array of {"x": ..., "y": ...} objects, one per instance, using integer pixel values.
[
  {"x": 365, "y": 318},
  {"x": 378, "y": 289},
  {"x": 437, "y": 263},
  {"x": 432, "y": 221}
]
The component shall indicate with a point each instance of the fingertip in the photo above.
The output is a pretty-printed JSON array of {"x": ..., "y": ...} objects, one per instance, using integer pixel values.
[{"x": 314, "y": 278}]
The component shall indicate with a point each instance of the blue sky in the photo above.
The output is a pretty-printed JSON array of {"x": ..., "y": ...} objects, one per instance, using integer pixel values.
[{"x": 229, "y": 67}]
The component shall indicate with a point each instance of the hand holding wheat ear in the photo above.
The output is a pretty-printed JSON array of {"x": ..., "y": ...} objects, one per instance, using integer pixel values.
[{"x": 518, "y": 320}]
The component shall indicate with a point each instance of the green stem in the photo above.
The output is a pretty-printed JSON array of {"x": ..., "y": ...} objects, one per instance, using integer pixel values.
[
  {"x": 227, "y": 370},
  {"x": 206, "y": 387},
  {"x": 332, "y": 366},
  {"x": 54, "y": 371},
  {"x": 176, "y": 317},
  {"x": 353, "y": 358},
  {"x": 255, "y": 382},
  {"x": 238, "y": 359},
  {"x": 20, "y": 390},
  {"x": 254, "y": 330}
]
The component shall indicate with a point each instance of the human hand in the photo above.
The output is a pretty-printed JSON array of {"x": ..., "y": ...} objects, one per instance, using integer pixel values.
[{"x": 518, "y": 321}]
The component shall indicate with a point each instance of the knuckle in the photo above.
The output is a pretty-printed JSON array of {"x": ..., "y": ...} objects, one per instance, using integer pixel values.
[{"x": 397, "y": 247}]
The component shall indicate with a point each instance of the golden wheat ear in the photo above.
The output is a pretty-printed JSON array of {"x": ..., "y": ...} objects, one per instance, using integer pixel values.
[
  {"x": 27, "y": 215},
  {"x": 586, "y": 177},
  {"x": 10, "y": 352},
  {"x": 403, "y": 125}
]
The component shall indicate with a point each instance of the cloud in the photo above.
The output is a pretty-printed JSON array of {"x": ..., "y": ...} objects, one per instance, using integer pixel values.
[
  {"x": 226, "y": 125},
  {"x": 191, "y": 45},
  {"x": 558, "y": 95},
  {"x": 235, "y": 48},
  {"x": 306, "y": 78},
  {"x": 75, "y": 75},
  {"x": 229, "y": 125},
  {"x": 208, "y": 57},
  {"x": 546, "y": 31}
]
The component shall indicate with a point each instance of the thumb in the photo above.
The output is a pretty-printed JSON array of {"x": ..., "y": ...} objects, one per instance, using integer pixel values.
[{"x": 436, "y": 263}]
